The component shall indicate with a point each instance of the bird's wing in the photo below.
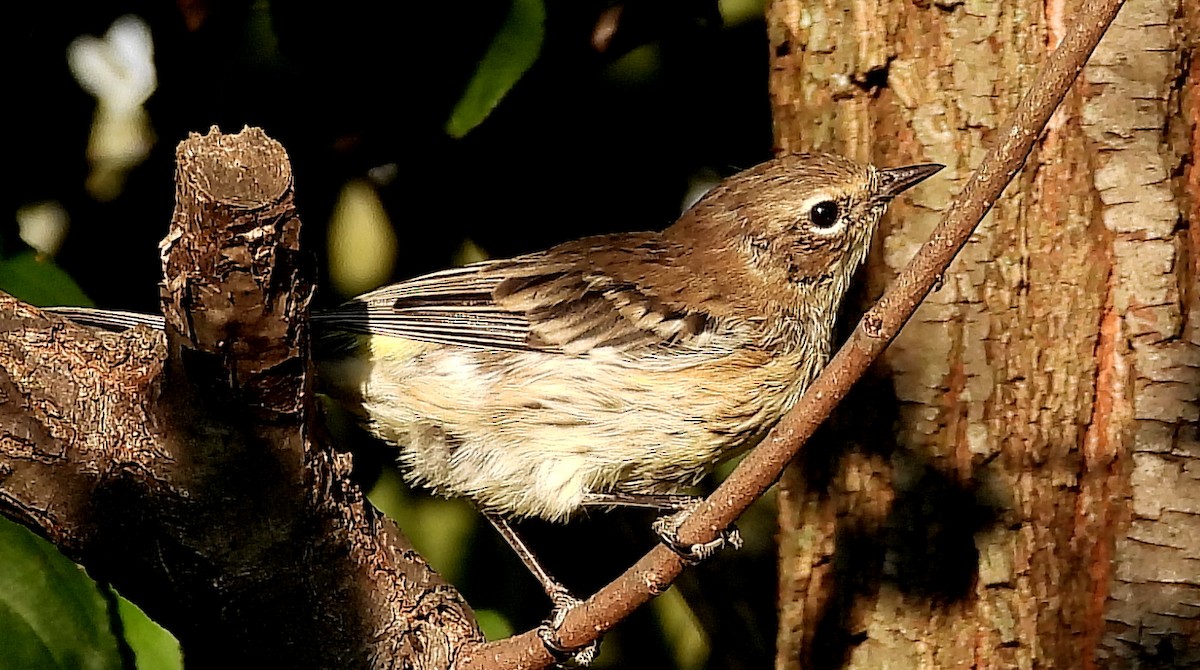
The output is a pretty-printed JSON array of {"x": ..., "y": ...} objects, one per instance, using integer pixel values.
[
  {"x": 452, "y": 306},
  {"x": 577, "y": 298}
]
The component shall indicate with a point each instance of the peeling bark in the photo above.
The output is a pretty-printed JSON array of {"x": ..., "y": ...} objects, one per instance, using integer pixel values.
[{"x": 1026, "y": 492}]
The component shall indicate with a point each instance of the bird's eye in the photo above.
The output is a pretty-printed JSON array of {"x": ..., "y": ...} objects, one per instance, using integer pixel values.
[{"x": 824, "y": 214}]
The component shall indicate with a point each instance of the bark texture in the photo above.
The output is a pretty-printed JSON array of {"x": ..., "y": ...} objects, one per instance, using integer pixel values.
[
  {"x": 189, "y": 470},
  {"x": 1019, "y": 485}
]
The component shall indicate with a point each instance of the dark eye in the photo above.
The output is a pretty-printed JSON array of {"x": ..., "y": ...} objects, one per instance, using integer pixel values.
[{"x": 824, "y": 214}]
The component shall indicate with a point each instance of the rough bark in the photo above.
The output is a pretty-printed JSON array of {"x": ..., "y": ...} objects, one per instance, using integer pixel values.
[
  {"x": 1018, "y": 485},
  {"x": 190, "y": 471}
]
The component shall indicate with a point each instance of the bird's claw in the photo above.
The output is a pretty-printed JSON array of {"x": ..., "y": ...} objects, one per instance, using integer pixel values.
[
  {"x": 547, "y": 632},
  {"x": 667, "y": 529}
]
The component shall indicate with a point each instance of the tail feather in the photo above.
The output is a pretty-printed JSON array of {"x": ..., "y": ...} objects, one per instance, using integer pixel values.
[
  {"x": 108, "y": 319},
  {"x": 330, "y": 343}
]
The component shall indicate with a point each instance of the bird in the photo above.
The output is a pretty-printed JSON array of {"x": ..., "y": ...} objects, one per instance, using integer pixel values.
[
  {"x": 622, "y": 364},
  {"x": 616, "y": 369}
]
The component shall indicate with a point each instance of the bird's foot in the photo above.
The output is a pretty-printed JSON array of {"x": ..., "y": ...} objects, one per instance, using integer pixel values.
[
  {"x": 667, "y": 529},
  {"x": 547, "y": 632}
]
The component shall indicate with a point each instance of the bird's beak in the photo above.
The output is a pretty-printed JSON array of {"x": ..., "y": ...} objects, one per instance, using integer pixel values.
[{"x": 894, "y": 181}]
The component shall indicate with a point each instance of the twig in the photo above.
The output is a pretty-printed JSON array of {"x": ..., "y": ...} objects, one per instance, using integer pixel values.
[{"x": 762, "y": 467}]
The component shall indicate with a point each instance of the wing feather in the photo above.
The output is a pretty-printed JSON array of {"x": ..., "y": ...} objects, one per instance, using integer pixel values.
[{"x": 577, "y": 298}]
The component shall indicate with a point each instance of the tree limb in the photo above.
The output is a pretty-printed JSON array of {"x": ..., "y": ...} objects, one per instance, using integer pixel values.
[{"x": 190, "y": 470}]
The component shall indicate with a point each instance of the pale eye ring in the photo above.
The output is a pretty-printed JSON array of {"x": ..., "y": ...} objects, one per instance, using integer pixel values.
[{"x": 824, "y": 214}]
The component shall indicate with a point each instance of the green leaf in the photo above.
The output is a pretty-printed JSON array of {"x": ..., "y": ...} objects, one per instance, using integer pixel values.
[
  {"x": 52, "y": 615},
  {"x": 37, "y": 280},
  {"x": 153, "y": 647},
  {"x": 494, "y": 624},
  {"x": 512, "y": 52}
]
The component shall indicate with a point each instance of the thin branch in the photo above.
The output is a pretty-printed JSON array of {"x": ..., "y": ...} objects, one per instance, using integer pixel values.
[{"x": 762, "y": 467}]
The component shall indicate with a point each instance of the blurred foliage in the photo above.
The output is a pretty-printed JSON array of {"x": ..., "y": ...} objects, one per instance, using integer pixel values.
[
  {"x": 512, "y": 52},
  {"x": 35, "y": 279},
  {"x": 118, "y": 70},
  {"x": 361, "y": 240},
  {"x": 681, "y": 629},
  {"x": 584, "y": 117}
]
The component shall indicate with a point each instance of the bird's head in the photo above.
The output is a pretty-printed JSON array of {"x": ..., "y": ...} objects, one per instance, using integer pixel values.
[{"x": 803, "y": 221}]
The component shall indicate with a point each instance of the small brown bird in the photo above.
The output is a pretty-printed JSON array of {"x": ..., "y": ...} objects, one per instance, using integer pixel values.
[
  {"x": 617, "y": 369},
  {"x": 619, "y": 366},
  {"x": 616, "y": 365}
]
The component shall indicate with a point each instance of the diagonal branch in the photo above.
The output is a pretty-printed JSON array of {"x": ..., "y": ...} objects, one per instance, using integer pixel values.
[{"x": 762, "y": 466}]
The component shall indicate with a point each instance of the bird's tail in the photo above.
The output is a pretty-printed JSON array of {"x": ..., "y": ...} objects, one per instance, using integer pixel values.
[
  {"x": 333, "y": 340},
  {"x": 109, "y": 319},
  {"x": 335, "y": 337}
]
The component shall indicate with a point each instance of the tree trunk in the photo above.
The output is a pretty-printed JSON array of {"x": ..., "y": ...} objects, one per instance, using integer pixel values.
[{"x": 1020, "y": 483}]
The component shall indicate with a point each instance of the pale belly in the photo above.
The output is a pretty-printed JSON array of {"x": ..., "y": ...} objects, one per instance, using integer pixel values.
[{"x": 537, "y": 438}]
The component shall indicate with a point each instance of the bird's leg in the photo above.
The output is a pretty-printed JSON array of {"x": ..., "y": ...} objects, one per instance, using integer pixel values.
[
  {"x": 667, "y": 527},
  {"x": 550, "y": 585},
  {"x": 561, "y": 598}
]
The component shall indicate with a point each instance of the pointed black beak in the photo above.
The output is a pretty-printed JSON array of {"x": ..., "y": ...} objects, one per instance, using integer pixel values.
[{"x": 894, "y": 181}]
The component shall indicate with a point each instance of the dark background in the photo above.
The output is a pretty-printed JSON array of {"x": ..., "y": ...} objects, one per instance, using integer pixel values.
[{"x": 587, "y": 142}]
